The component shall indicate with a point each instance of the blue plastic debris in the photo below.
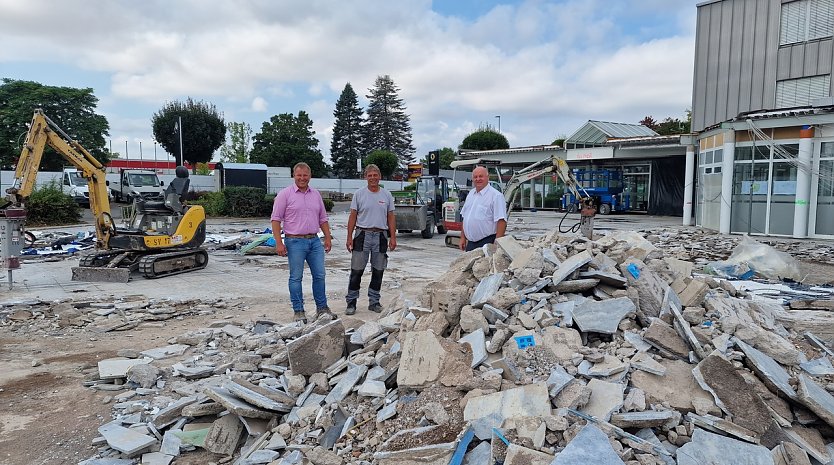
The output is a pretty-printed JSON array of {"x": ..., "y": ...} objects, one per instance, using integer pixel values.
[
  {"x": 525, "y": 341},
  {"x": 634, "y": 270},
  {"x": 460, "y": 450},
  {"x": 500, "y": 436}
]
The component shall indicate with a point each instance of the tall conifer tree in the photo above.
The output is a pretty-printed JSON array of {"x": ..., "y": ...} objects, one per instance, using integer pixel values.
[
  {"x": 346, "y": 146},
  {"x": 388, "y": 127}
]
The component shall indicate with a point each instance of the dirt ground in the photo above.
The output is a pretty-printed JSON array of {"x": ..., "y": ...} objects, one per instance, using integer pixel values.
[{"x": 47, "y": 416}]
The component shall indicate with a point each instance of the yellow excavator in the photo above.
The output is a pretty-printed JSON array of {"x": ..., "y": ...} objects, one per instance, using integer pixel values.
[{"x": 160, "y": 238}]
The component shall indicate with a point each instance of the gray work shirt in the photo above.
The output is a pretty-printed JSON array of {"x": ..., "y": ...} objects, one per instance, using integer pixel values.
[{"x": 372, "y": 208}]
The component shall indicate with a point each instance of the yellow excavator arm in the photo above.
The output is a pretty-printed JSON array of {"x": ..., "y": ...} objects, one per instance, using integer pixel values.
[{"x": 44, "y": 131}]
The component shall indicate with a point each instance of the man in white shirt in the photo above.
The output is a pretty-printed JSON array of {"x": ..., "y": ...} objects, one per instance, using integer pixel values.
[{"x": 484, "y": 213}]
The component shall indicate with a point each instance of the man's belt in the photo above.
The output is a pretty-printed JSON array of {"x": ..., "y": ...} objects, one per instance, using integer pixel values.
[
  {"x": 301, "y": 236},
  {"x": 371, "y": 229}
]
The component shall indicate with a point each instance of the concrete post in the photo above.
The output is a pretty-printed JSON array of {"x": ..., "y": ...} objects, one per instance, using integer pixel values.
[
  {"x": 532, "y": 195},
  {"x": 802, "y": 204},
  {"x": 688, "y": 185},
  {"x": 727, "y": 182}
]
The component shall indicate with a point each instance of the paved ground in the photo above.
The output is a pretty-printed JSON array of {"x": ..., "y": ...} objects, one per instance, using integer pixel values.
[{"x": 228, "y": 274}]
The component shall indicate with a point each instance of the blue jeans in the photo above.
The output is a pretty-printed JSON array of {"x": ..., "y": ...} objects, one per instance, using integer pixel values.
[{"x": 310, "y": 250}]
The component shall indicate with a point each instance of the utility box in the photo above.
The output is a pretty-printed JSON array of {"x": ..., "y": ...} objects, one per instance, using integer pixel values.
[
  {"x": 241, "y": 174},
  {"x": 11, "y": 239}
]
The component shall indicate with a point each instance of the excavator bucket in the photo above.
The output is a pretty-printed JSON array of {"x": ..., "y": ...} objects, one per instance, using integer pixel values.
[{"x": 100, "y": 274}]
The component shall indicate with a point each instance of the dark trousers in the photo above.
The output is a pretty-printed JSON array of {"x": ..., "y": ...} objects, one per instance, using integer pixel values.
[{"x": 472, "y": 245}]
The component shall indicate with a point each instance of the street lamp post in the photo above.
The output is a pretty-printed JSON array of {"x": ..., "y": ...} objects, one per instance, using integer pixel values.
[{"x": 499, "y": 122}]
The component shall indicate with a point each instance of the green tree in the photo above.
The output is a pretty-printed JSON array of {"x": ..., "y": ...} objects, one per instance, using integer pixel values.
[
  {"x": 286, "y": 140},
  {"x": 386, "y": 160},
  {"x": 236, "y": 149},
  {"x": 73, "y": 110},
  {"x": 346, "y": 146},
  {"x": 669, "y": 125},
  {"x": 485, "y": 138},
  {"x": 203, "y": 130},
  {"x": 388, "y": 127}
]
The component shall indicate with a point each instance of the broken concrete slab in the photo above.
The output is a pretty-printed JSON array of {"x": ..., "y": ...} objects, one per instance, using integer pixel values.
[
  {"x": 477, "y": 341},
  {"x": 816, "y": 398},
  {"x": 314, "y": 352},
  {"x": 722, "y": 426},
  {"x": 562, "y": 342},
  {"x": 573, "y": 263},
  {"x": 818, "y": 367},
  {"x": 493, "y": 314},
  {"x": 234, "y": 331},
  {"x": 602, "y": 316},
  {"x": 558, "y": 379},
  {"x": 125, "y": 440},
  {"x": 479, "y": 455},
  {"x": 682, "y": 268},
  {"x": 732, "y": 394},
  {"x": 525, "y": 401},
  {"x": 171, "y": 443},
  {"x": 788, "y": 453},
  {"x": 611, "y": 278},
  {"x": 636, "y": 341},
  {"x": 224, "y": 435},
  {"x": 606, "y": 398},
  {"x": 160, "y": 353},
  {"x": 565, "y": 311},
  {"x": 609, "y": 366},
  {"x": 156, "y": 458},
  {"x": 510, "y": 246},
  {"x": 769, "y": 371},
  {"x": 114, "y": 368},
  {"x": 665, "y": 338},
  {"x": 486, "y": 289},
  {"x": 694, "y": 293},
  {"x": 222, "y": 396},
  {"x": 434, "y": 454},
  {"x": 346, "y": 384},
  {"x": 708, "y": 447},
  {"x": 645, "y": 362},
  {"x": 518, "y": 455},
  {"x": 255, "y": 398},
  {"x": 574, "y": 286},
  {"x": 363, "y": 334},
  {"x": 591, "y": 445},
  {"x": 649, "y": 285},
  {"x": 647, "y": 419},
  {"x": 171, "y": 413},
  {"x": 678, "y": 387},
  {"x": 372, "y": 388},
  {"x": 810, "y": 440}
]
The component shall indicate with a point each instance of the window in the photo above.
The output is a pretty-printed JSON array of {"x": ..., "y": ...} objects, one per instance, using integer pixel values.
[
  {"x": 805, "y": 20},
  {"x": 800, "y": 92}
]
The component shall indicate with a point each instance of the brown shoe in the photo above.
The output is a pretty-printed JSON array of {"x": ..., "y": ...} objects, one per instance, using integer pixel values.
[
  {"x": 300, "y": 316},
  {"x": 322, "y": 311}
]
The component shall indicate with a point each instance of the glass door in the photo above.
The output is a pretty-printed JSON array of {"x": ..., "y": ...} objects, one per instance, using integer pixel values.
[{"x": 636, "y": 182}]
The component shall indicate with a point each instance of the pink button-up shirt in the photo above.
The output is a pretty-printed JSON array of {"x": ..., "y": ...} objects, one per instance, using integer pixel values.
[{"x": 299, "y": 212}]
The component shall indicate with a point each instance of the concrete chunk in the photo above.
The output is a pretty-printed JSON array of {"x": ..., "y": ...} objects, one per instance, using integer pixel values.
[
  {"x": 769, "y": 371},
  {"x": 346, "y": 384},
  {"x": 645, "y": 362},
  {"x": 678, "y": 387},
  {"x": 732, "y": 394},
  {"x": 493, "y": 314},
  {"x": 665, "y": 338},
  {"x": 421, "y": 360},
  {"x": 165, "y": 352},
  {"x": 476, "y": 340},
  {"x": 602, "y": 316},
  {"x": 227, "y": 399},
  {"x": 518, "y": 455},
  {"x": 314, "y": 352},
  {"x": 590, "y": 446},
  {"x": 788, "y": 453},
  {"x": 609, "y": 278},
  {"x": 172, "y": 412},
  {"x": 372, "y": 388},
  {"x": 366, "y": 332},
  {"x": 606, "y": 398},
  {"x": 648, "y": 419},
  {"x": 125, "y": 440},
  {"x": 224, "y": 435},
  {"x": 113, "y": 368},
  {"x": 558, "y": 379},
  {"x": 486, "y": 289},
  {"x": 816, "y": 398},
  {"x": 255, "y": 398},
  {"x": 156, "y": 458},
  {"x": 712, "y": 448},
  {"x": 526, "y": 401},
  {"x": 234, "y": 331},
  {"x": 510, "y": 246},
  {"x": 570, "y": 265}
]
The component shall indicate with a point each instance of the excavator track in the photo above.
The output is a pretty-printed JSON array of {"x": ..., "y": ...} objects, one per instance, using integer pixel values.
[{"x": 170, "y": 263}]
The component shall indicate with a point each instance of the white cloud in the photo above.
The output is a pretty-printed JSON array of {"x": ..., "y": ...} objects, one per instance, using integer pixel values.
[
  {"x": 545, "y": 66},
  {"x": 259, "y": 104}
]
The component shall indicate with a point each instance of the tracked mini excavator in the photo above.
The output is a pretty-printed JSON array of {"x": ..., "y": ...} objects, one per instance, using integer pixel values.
[{"x": 160, "y": 239}]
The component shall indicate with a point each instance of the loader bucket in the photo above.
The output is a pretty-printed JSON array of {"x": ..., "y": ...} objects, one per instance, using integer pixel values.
[{"x": 100, "y": 274}]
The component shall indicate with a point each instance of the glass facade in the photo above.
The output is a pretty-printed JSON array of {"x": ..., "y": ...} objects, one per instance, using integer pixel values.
[{"x": 824, "y": 224}]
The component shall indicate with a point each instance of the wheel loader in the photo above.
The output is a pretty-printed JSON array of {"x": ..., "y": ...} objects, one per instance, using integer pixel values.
[{"x": 160, "y": 238}]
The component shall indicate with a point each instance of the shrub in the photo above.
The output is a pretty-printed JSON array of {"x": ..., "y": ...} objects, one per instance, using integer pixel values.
[
  {"x": 244, "y": 201},
  {"x": 213, "y": 202},
  {"x": 49, "y": 206},
  {"x": 266, "y": 205},
  {"x": 328, "y": 205}
]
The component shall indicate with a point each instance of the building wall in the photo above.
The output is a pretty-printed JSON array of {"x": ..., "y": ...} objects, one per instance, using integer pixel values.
[{"x": 738, "y": 59}]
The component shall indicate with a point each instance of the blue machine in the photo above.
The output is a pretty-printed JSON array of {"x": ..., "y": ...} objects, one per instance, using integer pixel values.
[{"x": 604, "y": 186}]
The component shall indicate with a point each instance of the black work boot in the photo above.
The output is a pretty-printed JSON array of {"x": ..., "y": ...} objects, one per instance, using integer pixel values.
[{"x": 351, "y": 308}]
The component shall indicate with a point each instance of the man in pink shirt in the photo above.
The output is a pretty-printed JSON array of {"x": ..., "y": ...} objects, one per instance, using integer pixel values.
[{"x": 299, "y": 211}]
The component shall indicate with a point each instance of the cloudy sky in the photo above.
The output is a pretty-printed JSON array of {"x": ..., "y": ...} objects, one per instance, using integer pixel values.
[{"x": 544, "y": 66}]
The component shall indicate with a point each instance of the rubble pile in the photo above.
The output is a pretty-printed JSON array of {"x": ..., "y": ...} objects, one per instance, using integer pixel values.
[
  {"x": 553, "y": 351},
  {"x": 100, "y": 315}
]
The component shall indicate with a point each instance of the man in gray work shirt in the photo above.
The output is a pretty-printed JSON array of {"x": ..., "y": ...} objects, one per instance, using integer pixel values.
[{"x": 371, "y": 215}]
